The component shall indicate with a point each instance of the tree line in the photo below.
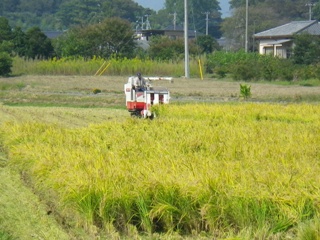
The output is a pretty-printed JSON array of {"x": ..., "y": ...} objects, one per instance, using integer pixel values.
[
  {"x": 113, "y": 37},
  {"x": 61, "y": 15},
  {"x": 105, "y": 28}
]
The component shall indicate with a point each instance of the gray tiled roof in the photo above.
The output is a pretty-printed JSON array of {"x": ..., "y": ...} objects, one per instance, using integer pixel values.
[{"x": 289, "y": 29}]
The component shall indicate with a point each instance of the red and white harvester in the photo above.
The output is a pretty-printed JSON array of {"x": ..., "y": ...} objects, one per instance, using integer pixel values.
[{"x": 140, "y": 101}]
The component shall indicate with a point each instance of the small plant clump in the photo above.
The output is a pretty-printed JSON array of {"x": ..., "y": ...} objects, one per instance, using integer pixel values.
[
  {"x": 96, "y": 91},
  {"x": 245, "y": 91}
]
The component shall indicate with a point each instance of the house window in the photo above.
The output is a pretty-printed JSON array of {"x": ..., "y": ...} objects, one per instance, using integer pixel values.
[
  {"x": 289, "y": 53},
  {"x": 281, "y": 52},
  {"x": 268, "y": 51}
]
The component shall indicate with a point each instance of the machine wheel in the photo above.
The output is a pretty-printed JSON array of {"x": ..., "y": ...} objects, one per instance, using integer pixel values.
[
  {"x": 135, "y": 114},
  {"x": 153, "y": 115}
]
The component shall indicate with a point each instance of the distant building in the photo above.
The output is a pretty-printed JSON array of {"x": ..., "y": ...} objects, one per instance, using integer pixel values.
[
  {"x": 278, "y": 41},
  {"x": 176, "y": 33},
  {"x": 53, "y": 34}
]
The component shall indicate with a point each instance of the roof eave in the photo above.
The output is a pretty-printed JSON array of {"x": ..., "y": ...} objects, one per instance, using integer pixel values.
[{"x": 273, "y": 37}]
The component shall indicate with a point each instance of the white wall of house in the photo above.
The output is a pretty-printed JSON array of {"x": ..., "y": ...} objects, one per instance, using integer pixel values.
[{"x": 274, "y": 48}]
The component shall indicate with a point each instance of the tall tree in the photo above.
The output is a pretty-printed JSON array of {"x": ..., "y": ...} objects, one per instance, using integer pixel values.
[
  {"x": 39, "y": 7},
  {"x": 126, "y": 9},
  {"x": 315, "y": 10},
  {"x": 19, "y": 42},
  {"x": 118, "y": 35},
  {"x": 5, "y": 30},
  {"x": 290, "y": 9},
  {"x": 293, "y": 10},
  {"x": 241, "y": 3},
  {"x": 78, "y": 12},
  {"x": 263, "y": 14},
  {"x": 196, "y": 13},
  {"x": 307, "y": 49},
  {"x": 9, "y": 5},
  {"x": 111, "y": 36},
  {"x": 38, "y": 44},
  {"x": 234, "y": 28},
  {"x": 207, "y": 44}
]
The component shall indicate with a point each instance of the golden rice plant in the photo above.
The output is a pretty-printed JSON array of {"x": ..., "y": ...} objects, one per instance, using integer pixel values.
[{"x": 213, "y": 168}]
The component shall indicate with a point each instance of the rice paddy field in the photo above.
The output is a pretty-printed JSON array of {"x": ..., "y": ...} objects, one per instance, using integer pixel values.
[{"x": 75, "y": 165}]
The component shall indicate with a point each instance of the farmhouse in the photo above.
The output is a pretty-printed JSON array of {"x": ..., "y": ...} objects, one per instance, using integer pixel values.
[{"x": 278, "y": 41}]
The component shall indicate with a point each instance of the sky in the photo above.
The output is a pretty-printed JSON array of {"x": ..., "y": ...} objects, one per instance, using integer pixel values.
[{"x": 159, "y": 4}]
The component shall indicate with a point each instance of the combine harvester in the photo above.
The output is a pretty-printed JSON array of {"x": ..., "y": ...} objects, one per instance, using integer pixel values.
[{"x": 140, "y": 100}]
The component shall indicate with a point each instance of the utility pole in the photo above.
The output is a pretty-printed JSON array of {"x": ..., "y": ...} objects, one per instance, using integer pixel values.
[
  {"x": 186, "y": 36},
  {"x": 142, "y": 23},
  {"x": 147, "y": 23},
  {"x": 246, "y": 34},
  {"x": 310, "y": 5},
  {"x": 207, "y": 21},
  {"x": 174, "y": 20}
]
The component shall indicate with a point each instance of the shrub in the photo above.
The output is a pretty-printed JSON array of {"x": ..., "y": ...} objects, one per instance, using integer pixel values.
[
  {"x": 245, "y": 91},
  {"x": 96, "y": 91},
  {"x": 245, "y": 70},
  {"x": 287, "y": 70},
  {"x": 5, "y": 64},
  {"x": 269, "y": 67}
]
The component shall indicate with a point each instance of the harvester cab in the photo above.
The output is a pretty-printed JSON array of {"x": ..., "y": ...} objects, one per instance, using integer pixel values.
[{"x": 139, "y": 101}]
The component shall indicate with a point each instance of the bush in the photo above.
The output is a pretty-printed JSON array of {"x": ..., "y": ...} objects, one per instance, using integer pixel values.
[
  {"x": 246, "y": 70},
  {"x": 5, "y": 64},
  {"x": 269, "y": 67},
  {"x": 96, "y": 91}
]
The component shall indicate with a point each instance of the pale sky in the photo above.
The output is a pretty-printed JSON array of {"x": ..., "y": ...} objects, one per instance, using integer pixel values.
[{"x": 159, "y": 4}]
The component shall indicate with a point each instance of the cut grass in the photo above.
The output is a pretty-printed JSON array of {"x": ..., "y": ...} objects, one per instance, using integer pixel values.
[
  {"x": 77, "y": 91},
  {"x": 23, "y": 215}
]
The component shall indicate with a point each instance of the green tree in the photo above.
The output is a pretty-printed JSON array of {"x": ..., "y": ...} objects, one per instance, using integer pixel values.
[
  {"x": 38, "y": 44},
  {"x": 113, "y": 36},
  {"x": 116, "y": 37},
  {"x": 5, "y": 30},
  {"x": 316, "y": 11},
  {"x": 263, "y": 15},
  {"x": 207, "y": 44},
  {"x": 307, "y": 49},
  {"x": 82, "y": 12},
  {"x": 78, "y": 12},
  {"x": 126, "y": 9},
  {"x": 19, "y": 42},
  {"x": 293, "y": 10},
  {"x": 164, "y": 48},
  {"x": 71, "y": 43},
  {"x": 197, "y": 17},
  {"x": 39, "y": 7},
  {"x": 261, "y": 18},
  {"x": 9, "y": 5}
]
